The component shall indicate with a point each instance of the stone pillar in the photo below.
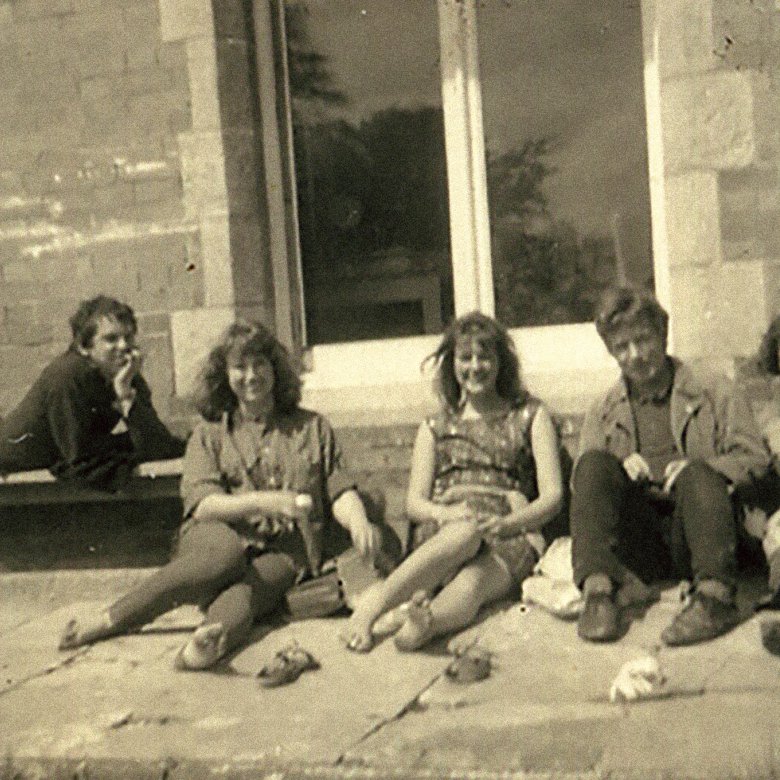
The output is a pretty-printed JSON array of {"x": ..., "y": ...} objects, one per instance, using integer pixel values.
[
  {"x": 222, "y": 175},
  {"x": 711, "y": 74}
]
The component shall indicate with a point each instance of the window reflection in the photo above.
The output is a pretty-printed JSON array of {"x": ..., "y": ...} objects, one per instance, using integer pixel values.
[
  {"x": 563, "y": 112},
  {"x": 368, "y": 139}
]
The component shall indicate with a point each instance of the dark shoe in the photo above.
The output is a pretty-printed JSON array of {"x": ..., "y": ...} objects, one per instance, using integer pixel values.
[
  {"x": 770, "y": 635},
  {"x": 703, "y": 618},
  {"x": 600, "y": 619}
]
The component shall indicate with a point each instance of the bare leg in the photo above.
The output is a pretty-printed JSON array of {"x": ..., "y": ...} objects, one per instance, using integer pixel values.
[
  {"x": 423, "y": 570},
  {"x": 478, "y": 583}
]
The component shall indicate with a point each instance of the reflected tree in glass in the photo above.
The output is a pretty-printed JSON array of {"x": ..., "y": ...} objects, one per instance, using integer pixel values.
[{"x": 545, "y": 271}]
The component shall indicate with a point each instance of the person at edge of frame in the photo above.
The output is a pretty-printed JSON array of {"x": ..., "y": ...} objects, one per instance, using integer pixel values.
[
  {"x": 662, "y": 458},
  {"x": 89, "y": 416}
]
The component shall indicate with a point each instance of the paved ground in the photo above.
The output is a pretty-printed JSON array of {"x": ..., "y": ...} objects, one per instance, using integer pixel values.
[{"x": 118, "y": 710}]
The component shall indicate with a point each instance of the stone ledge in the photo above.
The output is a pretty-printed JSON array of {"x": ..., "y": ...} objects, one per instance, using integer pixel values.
[{"x": 153, "y": 480}]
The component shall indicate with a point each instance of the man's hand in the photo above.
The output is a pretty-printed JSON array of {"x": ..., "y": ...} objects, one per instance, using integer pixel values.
[
  {"x": 124, "y": 377},
  {"x": 672, "y": 471},
  {"x": 637, "y": 468}
]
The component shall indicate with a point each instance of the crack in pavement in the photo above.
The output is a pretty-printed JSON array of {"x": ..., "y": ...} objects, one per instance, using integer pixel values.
[
  {"x": 409, "y": 706},
  {"x": 49, "y": 669}
]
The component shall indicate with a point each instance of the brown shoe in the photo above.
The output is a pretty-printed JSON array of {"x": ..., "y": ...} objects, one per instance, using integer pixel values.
[
  {"x": 600, "y": 619},
  {"x": 770, "y": 635},
  {"x": 703, "y": 618}
]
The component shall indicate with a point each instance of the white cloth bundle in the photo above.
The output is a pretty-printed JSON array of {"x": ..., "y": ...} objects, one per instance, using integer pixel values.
[{"x": 637, "y": 679}]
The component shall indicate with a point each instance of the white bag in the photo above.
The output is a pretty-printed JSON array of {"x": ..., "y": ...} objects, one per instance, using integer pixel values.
[{"x": 552, "y": 584}]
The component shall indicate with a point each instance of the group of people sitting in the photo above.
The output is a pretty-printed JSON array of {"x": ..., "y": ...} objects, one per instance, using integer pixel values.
[{"x": 664, "y": 460}]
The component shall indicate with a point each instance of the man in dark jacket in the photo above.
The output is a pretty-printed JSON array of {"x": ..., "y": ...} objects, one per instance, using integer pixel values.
[
  {"x": 89, "y": 416},
  {"x": 661, "y": 455}
]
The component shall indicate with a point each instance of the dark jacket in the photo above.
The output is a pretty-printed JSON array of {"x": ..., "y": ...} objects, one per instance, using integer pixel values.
[
  {"x": 65, "y": 424},
  {"x": 711, "y": 421}
]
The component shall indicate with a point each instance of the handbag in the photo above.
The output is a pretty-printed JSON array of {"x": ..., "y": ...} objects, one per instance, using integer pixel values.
[
  {"x": 343, "y": 579},
  {"x": 315, "y": 598}
]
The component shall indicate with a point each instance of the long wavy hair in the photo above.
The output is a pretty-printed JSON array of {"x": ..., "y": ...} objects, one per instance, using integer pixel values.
[
  {"x": 213, "y": 395},
  {"x": 490, "y": 333}
]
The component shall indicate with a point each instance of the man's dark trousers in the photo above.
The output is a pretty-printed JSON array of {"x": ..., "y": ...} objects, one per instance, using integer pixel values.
[{"x": 617, "y": 524}]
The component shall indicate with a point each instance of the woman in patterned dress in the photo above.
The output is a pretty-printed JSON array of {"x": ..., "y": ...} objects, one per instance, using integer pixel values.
[{"x": 484, "y": 480}]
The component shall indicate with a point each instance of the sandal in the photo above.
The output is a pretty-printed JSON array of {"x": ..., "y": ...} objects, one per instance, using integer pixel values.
[
  {"x": 287, "y": 666},
  {"x": 78, "y": 633},
  {"x": 472, "y": 665},
  {"x": 202, "y": 651}
]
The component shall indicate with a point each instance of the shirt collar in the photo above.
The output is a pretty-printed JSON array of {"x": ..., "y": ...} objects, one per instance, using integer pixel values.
[{"x": 658, "y": 395}]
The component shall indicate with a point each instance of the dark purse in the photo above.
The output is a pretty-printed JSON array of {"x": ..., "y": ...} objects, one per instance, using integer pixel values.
[
  {"x": 315, "y": 598},
  {"x": 343, "y": 579}
]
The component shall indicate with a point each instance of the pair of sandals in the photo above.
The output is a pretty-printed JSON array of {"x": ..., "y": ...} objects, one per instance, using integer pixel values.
[{"x": 469, "y": 665}]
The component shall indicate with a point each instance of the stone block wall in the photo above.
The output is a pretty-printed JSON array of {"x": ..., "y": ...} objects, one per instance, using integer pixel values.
[
  {"x": 128, "y": 166},
  {"x": 131, "y": 163},
  {"x": 91, "y": 103},
  {"x": 713, "y": 87}
]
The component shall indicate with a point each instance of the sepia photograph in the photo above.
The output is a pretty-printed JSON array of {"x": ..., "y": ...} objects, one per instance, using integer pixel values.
[{"x": 389, "y": 389}]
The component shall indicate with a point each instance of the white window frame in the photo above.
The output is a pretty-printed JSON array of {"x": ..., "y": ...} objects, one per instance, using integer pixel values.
[{"x": 565, "y": 364}]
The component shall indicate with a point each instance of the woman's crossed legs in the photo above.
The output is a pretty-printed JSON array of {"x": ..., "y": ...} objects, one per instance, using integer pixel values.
[{"x": 423, "y": 570}]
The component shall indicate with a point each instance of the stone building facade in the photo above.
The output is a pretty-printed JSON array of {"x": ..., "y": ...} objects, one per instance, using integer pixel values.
[{"x": 144, "y": 153}]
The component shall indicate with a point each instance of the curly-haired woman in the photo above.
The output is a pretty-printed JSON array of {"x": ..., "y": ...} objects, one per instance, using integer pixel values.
[{"x": 261, "y": 485}]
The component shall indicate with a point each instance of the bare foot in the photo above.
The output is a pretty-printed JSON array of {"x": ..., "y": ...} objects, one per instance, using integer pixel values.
[
  {"x": 205, "y": 647},
  {"x": 89, "y": 629},
  {"x": 389, "y": 622},
  {"x": 358, "y": 636},
  {"x": 417, "y": 629}
]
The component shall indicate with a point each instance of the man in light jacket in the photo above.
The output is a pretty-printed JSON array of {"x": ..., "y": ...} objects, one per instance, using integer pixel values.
[{"x": 660, "y": 457}]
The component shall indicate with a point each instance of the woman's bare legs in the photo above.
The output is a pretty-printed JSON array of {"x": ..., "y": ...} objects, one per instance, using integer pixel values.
[
  {"x": 428, "y": 566},
  {"x": 479, "y": 582}
]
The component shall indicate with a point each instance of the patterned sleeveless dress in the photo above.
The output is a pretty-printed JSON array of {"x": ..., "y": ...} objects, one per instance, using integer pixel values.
[{"x": 484, "y": 453}]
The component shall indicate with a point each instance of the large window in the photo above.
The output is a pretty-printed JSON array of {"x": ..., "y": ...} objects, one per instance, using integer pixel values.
[
  {"x": 368, "y": 138},
  {"x": 442, "y": 145},
  {"x": 566, "y": 151}
]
